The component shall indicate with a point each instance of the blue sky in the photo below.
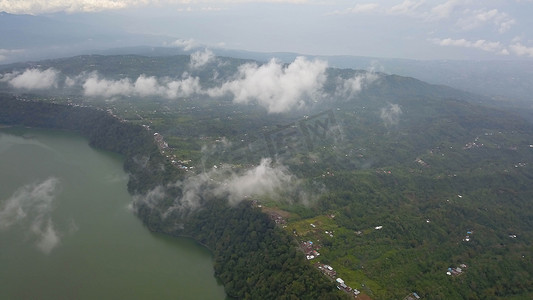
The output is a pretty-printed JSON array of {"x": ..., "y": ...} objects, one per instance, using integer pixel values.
[{"x": 415, "y": 29}]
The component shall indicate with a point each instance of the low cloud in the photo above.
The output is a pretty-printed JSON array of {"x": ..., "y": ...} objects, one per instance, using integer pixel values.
[
  {"x": 350, "y": 87},
  {"x": 143, "y": 86},
  {"x": 268, "y": 179},
  {"x": 265, "y": 179},
  {"x": 201, "y": 58},
  {"x": 276, "y": 86},
  {"x": 33, "y": 79},
  {"x": 94, "y": 86},
  {"x": 391, "y": 114},
  {"x": 48, "y": 236},
  {"x": 31, "y": 207}
]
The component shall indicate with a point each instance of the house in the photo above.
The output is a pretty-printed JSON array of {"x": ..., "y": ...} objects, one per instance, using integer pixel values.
[
  {"x": 412, "y": 296},
  {"x": 343, "y": 285}
]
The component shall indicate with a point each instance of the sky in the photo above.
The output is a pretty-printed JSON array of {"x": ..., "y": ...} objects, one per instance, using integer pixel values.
[{"x": 412, "y": 29}]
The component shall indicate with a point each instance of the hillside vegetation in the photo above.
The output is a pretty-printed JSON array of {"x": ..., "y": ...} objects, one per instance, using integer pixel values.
[{"x": 395, "y": 184}]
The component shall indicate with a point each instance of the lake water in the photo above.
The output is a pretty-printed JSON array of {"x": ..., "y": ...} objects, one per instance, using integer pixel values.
[{"x": 66, "y": 231}]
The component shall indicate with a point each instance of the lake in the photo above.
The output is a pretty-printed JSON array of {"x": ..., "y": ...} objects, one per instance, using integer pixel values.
[{"x": 67, "y": 232}]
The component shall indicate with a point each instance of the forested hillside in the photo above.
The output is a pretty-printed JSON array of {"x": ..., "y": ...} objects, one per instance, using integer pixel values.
[
  {"x": 253, "y": 258},
  {"x": 399, "y": 186}
]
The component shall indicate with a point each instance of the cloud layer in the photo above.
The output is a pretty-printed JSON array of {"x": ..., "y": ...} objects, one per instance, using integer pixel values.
[
  {"x": 275, "y": 86},
  {"x": 32, "y": 79},
  {"x": 46, "y": 6},
  {"x": 350, "y": 87},
  {"x": 143, "y": 86},
  {"x": 267, "y": 179},
  {"x": 201, "y": 58},
  {"x": 31, "y": 207}
]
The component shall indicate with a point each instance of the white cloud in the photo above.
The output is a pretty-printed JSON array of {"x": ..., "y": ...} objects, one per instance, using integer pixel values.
[
  {"x": 444, "y": 10},
  {"x": 31, "y": 206},
  {"x": 242, "y": 1},
  {"x": 143, "y": 86},
  {"x": 94, "y": 86},
  {"x": 200, "y": 9},
  {"x": 495, "y": 47},
  {"x": 275, "y": 86},
  {"x": 46, "y": 6},
  {"x": 359, "y": 8},
  {"x": 422, "y": 10},
  {"x": 186, "y": 45},
  {"x": 48, "y": 236},
  {"x": 182, "y": 88},
  {"x": 201, "y": 58},
  {"x": 352, "y": 86},
  {"x": 407, "y": 7},
  {"x": 504, "y": 26},
  {"x": 391, "y": 114},
  {"x": 521, "y": 50},
  {"x": 33, "y": 79},
  {"x": 8, "y": 76},
  {"x": 413, "y": 8},
  {"x": 70, "y": 81},
  {"x": 501, "y": 20},
  {"x": 267, "y": 179}
]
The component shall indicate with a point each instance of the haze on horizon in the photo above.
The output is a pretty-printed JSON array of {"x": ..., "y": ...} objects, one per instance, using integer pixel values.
[{"x": 410, "y": 29}]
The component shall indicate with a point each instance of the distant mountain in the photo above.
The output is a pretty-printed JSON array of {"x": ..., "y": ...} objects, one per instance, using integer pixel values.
[
  {"x": 505, "y": 83},
  {"x": 31, "y": 37},
  {"x": 28, "y": 37}
]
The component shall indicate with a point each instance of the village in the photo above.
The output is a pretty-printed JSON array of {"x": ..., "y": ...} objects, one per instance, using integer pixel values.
[
  {"x": 167, "y": 152},
  {"x": 311, "y": 251}
]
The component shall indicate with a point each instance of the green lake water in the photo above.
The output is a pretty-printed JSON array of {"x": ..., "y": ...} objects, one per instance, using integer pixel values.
[{"x": 66, "y": 230}]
